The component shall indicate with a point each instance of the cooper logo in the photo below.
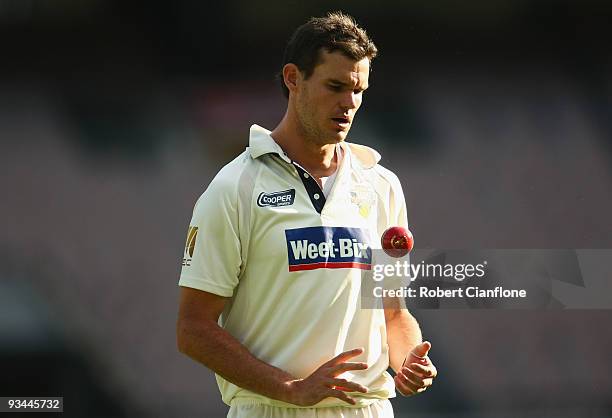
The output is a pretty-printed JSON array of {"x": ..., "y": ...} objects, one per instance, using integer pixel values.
[{"x": 284, "y": 198}]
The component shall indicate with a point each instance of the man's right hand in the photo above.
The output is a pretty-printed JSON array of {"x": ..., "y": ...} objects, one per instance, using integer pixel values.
[{"x": 324, "y": 382}]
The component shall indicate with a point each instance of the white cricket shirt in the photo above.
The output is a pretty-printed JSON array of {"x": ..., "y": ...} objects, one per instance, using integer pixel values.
[{"x": 264, "y": 235}]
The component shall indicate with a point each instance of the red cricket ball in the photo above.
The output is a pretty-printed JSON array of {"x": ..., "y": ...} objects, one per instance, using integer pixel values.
[{"x": 397, "y": 241}]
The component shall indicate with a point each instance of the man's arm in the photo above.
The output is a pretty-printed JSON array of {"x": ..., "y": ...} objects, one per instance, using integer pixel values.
[
  {"x": 403, "y": 331},
  {"x": 200, "y": 337},
  {"x": 407, "y": 353}
]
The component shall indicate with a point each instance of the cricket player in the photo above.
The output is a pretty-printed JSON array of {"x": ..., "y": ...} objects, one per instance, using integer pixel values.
[{"x": 271, "y": 276}]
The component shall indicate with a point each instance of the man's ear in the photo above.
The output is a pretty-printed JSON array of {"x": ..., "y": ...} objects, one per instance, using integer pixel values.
[{"x": 291, "y": 75}]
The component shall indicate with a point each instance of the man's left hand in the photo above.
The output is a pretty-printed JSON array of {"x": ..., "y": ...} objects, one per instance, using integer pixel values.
[{"x": 417, "y": 371}]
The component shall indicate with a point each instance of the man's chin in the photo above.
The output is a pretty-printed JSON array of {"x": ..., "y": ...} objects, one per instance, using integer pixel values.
[
  {"x": 333, "y": 137},
  {"x": 340, "y": 136}
]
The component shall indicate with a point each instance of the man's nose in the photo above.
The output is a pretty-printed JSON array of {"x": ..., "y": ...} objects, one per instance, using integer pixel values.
[{"x": 350, "y": 101}]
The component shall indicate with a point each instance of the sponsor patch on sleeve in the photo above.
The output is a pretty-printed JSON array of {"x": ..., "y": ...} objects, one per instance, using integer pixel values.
[
  {"x": 192, "y": 234},
  {"x": 276, "y": 199},
  {"x": 328, "y": 247}
]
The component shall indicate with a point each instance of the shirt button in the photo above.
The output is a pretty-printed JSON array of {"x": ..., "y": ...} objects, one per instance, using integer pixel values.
[
  {"x": 316, "y": 196},
  {"x": 306, "y": 175}
]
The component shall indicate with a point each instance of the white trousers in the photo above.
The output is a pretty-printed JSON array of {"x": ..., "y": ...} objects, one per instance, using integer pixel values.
[{"x": 379, "y": 409}]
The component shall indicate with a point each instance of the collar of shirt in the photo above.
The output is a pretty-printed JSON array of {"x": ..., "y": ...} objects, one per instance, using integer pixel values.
[{"x": 260, "y": 143}]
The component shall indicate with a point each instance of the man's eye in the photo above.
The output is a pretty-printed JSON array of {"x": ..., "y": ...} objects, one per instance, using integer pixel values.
[{"x": 335, "y": 87}]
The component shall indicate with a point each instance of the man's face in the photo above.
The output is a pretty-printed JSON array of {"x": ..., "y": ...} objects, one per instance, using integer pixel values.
[{"x": 327, "y": 101}]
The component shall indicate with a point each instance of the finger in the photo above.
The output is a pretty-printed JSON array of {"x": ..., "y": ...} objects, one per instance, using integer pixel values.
[
  {"x": 421, "y": 350},
  {"x": 415, "y": 381},
  {"x": 405, "y": 381},
  {"x": 421, "y": 382},
  {"x": 347, "y": 386},
  {"x": 423, "y": 371},
  {"x": 334, "y": 393},
  {"x": 345, "y": 367},
  {"x": 342, "y": 357},
  {"x": 408, "y": 390},
  {"x": 418, "y": 380},
  {"x": 402, "y": 387}
]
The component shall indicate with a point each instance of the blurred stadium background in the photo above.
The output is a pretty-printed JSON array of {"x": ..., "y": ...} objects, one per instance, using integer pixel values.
[{"x": 114, "y": 116}]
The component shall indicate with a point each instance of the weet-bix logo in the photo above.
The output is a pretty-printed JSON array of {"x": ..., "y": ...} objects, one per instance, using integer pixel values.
[
  {"x": 284, "y": 198},
  {"x": 328, "y": 247}
]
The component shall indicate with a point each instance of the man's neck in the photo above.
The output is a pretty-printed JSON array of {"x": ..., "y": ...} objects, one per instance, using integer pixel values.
[{"x": 318, "y": 160}]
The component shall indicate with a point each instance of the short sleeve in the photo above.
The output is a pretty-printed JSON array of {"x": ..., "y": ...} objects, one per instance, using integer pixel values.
[
  {"x": 212, "y": 256},
  {"x": 396, "y": 202},
  {"x": 397, "y": 217},
  {"x": 400, "y": 204}
]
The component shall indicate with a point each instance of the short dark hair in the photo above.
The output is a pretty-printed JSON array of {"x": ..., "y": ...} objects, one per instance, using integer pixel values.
[{"x": 335, "y": 32}]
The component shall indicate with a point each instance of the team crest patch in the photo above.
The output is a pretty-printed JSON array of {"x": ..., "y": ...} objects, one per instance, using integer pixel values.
[
  {"x": 328, "y": 247},
  {"x": 365, "y": 198},
  {"x": 276, "y": 199},
  {"x": 192, "y": 234}
]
